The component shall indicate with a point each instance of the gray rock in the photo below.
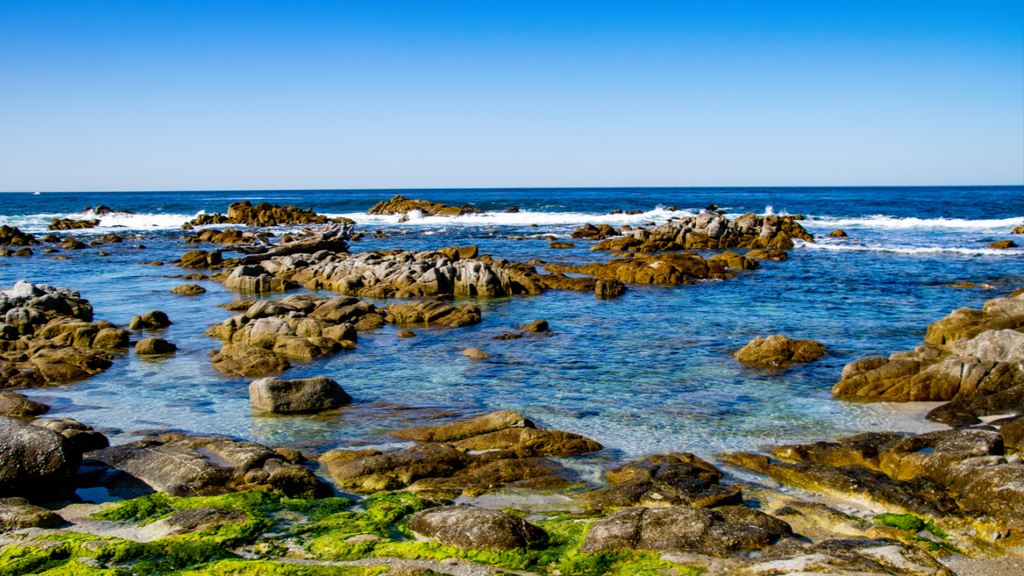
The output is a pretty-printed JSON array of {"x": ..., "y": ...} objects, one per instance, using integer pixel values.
[
  {"x": 472, "y": 528},
  {"x": 31, "y": 453},
  {"x": 715, "y": 532},
  {"x": 199, "y": 519},
  {"x": 992, "y": 346},
  {"x": 306, "y": 395},
  {"x": 82, "y": 436}
]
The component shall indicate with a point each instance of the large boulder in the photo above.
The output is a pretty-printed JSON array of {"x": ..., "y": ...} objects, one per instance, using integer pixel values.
[
  {"x": 306, "y": 395},
  {"x": 154, "y": 320},
  {"x": 34, "y": 457},
  {"x": 713, "y": 532},
  {"x": 17, "y": 405},
  {"x": 473, "y": 528},
  {"x": 779, "y": 350}
]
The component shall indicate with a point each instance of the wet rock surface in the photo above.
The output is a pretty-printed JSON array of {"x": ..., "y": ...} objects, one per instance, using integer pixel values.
[
  {"x": 779, "y": 350},
  {"x": 473, "y": 528},
  {"x": 262, "y": 215},
  {"x": 667, "y": 269},
  {"x": 288, "y": 396},
  {"x": 666, "y": 480},
  {"x": 402, "y": 205},
  {"x": 711, "y": 231}
]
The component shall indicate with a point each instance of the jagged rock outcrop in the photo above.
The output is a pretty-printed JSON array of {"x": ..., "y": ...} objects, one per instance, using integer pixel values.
[
  {"x": 48, "y": 331},
  {"x": 449, "y": 466},
  {"x": 962, "y": 473},
  {"x": 779, "y": 350},
  {"x": 305, "y": 327},
  {"x": 671, "y": 269},
  {"x": 708, "y": 230},
  {"x": 402, "y": 205},
  {"x": 199, "y": 465},
  {"x": 262, "y": 215},
  {"x": 976, "y": 363},
  {"x": 591, "y": 232},
  {"x": 11, "y": 236}
]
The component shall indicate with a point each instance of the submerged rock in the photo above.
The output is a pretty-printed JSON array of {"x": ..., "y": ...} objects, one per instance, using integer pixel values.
[
  {"x": 188, "y": 290},
  {"x": 288, "y": 396},
  {"x": 154, "y": 346},
  {"x": 472, "y": 528},
  {"x": 779, "y": 350}
]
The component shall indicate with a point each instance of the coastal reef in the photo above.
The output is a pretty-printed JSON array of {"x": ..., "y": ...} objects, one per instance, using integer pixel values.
[
  {"x": 402, "y": 205},
  {"x": 707, "y": 231},
  {"x": 262, "y": 215}
]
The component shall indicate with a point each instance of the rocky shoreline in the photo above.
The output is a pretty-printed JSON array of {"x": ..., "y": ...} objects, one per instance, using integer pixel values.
[{"x": 875, "y": 503}]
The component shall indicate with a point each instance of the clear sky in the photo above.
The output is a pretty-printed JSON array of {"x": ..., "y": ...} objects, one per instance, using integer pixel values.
[{"x": 296, "y": 95}]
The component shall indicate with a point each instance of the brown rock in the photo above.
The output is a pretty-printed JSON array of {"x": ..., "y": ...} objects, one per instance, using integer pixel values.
[
  {"x": 837, "y": 234},
  {"x": 188, "y": 290},
  {"x": 473, "y": 528},
  {"x": 475, "y": 354},
  {"x": 544, "y": 442},
  {"x": 486, "y": 424},
  {"x": 16, "y": 405},
  {"x": 778, "y": 351},
  {"x": 1003, "y": 244},
  {"x": 154, "y": 346}
]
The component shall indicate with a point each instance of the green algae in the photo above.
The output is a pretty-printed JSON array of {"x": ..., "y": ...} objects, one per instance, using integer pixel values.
[
  {"x": 381, "y": 517},
  {"x": 271, "y": 568},
  {"x": 913, "y": 524},
  {"x": 907, "y": 522}
]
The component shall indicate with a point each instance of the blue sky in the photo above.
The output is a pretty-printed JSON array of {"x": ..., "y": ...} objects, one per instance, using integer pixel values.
[{"x": 250, "y": 95}]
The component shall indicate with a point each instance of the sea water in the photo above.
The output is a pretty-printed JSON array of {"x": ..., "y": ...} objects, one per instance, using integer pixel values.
[{"x": 649, "y": 373}]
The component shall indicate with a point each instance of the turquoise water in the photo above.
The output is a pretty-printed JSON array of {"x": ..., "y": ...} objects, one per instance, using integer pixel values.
[{"x": 648, "y": 373}]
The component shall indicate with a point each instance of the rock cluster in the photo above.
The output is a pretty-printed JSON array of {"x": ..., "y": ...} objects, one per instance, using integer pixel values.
[
  {"x": 710, "y": 231},
  {"x": 963, "y": 473},
  {"x": 261, "y": 215},
  {"x": 778, "y": 350},
  {"x": 70, "y": 224},
  {"x": 11, "y": 236},
  {"x": 47, "y": 336},
  {"x": 305, "y": 327},
  {"x": 668, "y": 269},
  {"x": 402, "y": 205},
  {"x": 448, "y": 463},
  {"x": 680, "y": 479},
  {"x": 197, "y": 465},
  {"x": 973, "y": 357},
  {"x": 591, "y": 232}
]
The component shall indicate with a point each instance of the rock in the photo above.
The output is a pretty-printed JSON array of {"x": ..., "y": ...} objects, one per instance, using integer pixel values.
[
  {"x": 22, "y": 252},
  {"x": 668, "y": 269},
  {"x": 402, "y": 205},
  {"x": 154, "y": 320},
  {"x": 511, "y": 210},
  {"x": 69, "y": 224},
  {"x": 1003, "y": 244},
  {"x": 31, "y": 456},
  {"x": 153, "y": 346},
  {"x": 16, "y": 513},
  {"x": 475, "y": 354},
  {"x": 262, "y": 215},
  {"x": 711, "y": 231},
  {"x": 72, "y": 244},
  {"x": 609, "y": 288},
  {"x": 69, "y": 364},
  {"x": 287, "y": 396},
  {"x": 16, "y": 405},
  {"x": 861, "y": 557},
  {"x": 544, "y": 442},
  {"x": 561, "y": 245},
  {"x": 432, "y": 313},
  {"x": 11, "y": 236},
  {"x": 195, "y": 465},
  {"x": 1018, "y": 230},
  {"x": 1013, "y": 433},
  {"x": 779, "y": 350},
  {"x": 472, "y": 528},
  {"x": 246, "y": 360},
  {"x": 188, "y": 290},
  {"x": 406, "y": 334},
  {"x": 81, "y": 436},
  {"x": 837, "y": 234},
  {"x": 200, "y": 519},
  {"x": 486, "y": 424},
  {"x": 714, "y": 532},
  {"x": 536, "y": 326},
  {"x": 671, "y": 480},
  {"x": 591, "y": 232}
]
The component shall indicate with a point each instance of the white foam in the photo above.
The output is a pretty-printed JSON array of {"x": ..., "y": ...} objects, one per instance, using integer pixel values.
[
  {"x": 884, "y": 222},
  {"x": 899, "y": 249},
  {"x": 37, "y": 223},
  {"x": 521, "y": 218}
]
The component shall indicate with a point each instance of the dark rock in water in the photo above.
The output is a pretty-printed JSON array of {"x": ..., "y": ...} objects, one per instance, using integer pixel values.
[
  {"x": 306, "y": 395},
  {"x": 72, "y": 244},
  {"x": 262, "y": 215},
  {"x": 561, "y": 245},
  {"x": 475, "y": 354},
  {"x": 16, "y": 405},
  {"x": 245, "y": 360},
  {"x": 154, "y": 320},
  {"x": 535, "y": 326},
  {"x": 508, "y": 336},
  {"x": 472, "y": 528},
  {"x": 511, "y": 210},
  {"x": 1003, "y": 244},
  {"x": 711, "y": 231},
  {"x": 18, "y": 513},
  {"x": 609, "y": 288},
  {"x": 714, "y": 532},
  {"x": 154, "y": 346},
  {"x": 22, "y": 252},
  {"x": 11, "y": 236},
  {"x": 778, "y": 350},
  {"x": 591, "y": 232},
  {"x": 406, "y": 334},
  {"x": 199, "y": 519},
  {"x": 670, "y": 480},
  {"x": 545, "y": 442},
  {"x": 402, "y": 205},
  {"x": 69, "y": 224},
  {"x": 33, "y": 456},
  {"x": 838, "y": 234},
  {"x": 492, "y": 422},
  {"x": 188, "y": 290},
  {"x": 776, "y": 255}
]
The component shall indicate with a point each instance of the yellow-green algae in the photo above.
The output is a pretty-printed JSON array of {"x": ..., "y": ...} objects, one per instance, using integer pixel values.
[
  {"x": 913, "y": 524},
  {"x": 332, "y": 521}
]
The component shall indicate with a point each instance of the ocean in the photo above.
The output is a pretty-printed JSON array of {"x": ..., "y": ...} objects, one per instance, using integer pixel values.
[{"x": 649, "y": 373}]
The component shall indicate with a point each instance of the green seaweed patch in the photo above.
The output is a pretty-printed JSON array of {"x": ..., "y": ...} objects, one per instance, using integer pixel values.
[
  {"x": 559, "y": 553},
  {"x": 53, "y": 555},
  {"x": 913, "y": 524},
  {"x": 382, "y": 514},
  {"x": 271, "y": 568},
  {"x": 907, "y": 522}
]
